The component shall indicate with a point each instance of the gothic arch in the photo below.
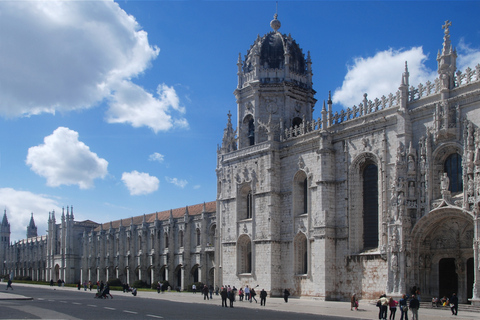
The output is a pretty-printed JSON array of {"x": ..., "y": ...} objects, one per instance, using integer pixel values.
[
  {"x": 359, "y": 222},
  {"x": 443, "y": 235},
  {"x": 439, "y": 156},
  {"x": 301, "y": 265},
  {"x": 245, "y": 202},
  {"x": 247, "y": 131},
  {"x": 244, "y": 254},
  {"x": 300, "y": 193}
]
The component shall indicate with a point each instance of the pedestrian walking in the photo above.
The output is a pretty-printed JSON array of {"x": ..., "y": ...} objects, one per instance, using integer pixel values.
[
  {"x": 205, "y": 292},
  {"x": 454, "y": 304},
  {"x": 286, "y": 294},
  {"x": 252, "y": 295},
  {"x": 353, "y": 302},
  {"x": 223, "y": 295},
  {"x": 231, "y": 297},
  {"x": 403, "y": 303},
  {"x": 9, "y": 284},
  {"x": 414, "y": 305},
  {"x": 194, "y": 288},
  {"x": 263, "y": 297},
  {"x": 392, "y": 304}
]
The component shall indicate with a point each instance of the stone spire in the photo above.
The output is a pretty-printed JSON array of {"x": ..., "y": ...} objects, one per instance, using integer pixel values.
[
  {"x": 229, "y": 142},
  {"x": 447, "y": 60},
  {"x": 31, "y": 228}
]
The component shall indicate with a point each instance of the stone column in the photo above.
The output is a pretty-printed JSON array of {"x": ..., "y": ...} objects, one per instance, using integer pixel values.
[{"x": 475, "y": 300}]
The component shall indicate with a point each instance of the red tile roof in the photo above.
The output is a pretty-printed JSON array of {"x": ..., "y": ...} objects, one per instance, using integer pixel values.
[{"x": 164, "y": 215}]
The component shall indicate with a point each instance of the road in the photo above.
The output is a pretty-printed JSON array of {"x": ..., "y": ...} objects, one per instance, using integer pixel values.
[{"x": 48, "y": 303}]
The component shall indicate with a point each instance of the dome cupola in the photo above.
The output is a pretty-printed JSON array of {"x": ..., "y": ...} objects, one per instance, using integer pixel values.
[{"x": 275, "y": 58}]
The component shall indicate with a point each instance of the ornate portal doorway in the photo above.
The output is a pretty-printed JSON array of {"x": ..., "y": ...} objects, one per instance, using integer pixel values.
[{"x": 442, "y": 243}]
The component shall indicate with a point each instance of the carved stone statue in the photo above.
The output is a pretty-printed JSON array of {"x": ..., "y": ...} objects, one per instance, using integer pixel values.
[
  {"x": 411, "y": 164},
  {"x": 444, "y": 182}
]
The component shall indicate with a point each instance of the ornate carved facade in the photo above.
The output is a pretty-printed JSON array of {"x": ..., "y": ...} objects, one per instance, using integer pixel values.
[{"x": 380, "y": 197}]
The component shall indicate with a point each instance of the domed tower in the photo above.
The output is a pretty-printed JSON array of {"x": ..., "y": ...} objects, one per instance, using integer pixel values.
[
  {"x": 274, "y": 87},
  {"x": 274, "y": 93}
]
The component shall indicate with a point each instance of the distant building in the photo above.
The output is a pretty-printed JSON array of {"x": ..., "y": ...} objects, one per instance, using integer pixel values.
[{"x": 383, "y": 197}]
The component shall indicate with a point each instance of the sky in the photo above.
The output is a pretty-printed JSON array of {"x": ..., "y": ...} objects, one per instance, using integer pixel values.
[{"x": 117, "y": 108}]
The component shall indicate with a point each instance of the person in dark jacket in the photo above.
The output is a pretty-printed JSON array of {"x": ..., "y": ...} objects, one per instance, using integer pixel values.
[
  {"x": 231, "y": 297},
  {"x": 263, "y": 297},
  {"x": 223, "y": 294},
  {"x": 454, "y": 304},
  {"x": 414, "y": 305},
  {"x": 286, "y": 293}
]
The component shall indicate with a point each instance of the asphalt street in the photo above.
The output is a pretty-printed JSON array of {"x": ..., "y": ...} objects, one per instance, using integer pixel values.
[{"x": 45, "y": 302}]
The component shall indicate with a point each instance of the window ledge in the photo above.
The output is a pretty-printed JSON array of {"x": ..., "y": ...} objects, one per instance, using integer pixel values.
[{"x": 301, "y": 275}]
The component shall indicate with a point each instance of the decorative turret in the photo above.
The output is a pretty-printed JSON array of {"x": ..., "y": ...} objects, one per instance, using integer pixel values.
[
  {"x": 31, "y": 228},
  {"x": 447, "y": 60},
  {"x": 5, "y": 230},
  {"x": 229, "y": 142}
]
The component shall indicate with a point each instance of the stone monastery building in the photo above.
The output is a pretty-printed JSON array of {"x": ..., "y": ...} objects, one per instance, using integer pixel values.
[{"x": 379, "y": 198}]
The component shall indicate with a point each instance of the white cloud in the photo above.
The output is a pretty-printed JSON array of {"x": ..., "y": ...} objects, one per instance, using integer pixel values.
[
  {"x": 156, "y": 157},
  {"x": 381, "y": 74},
  {"x": 19, "y": 206},
  {"x": 197, "y": 186},
  {"x": 67, "y": 55},
  {"x": 150, "y": 111},
  {"x": 64, "y": 160},
  {"x": 139, "y": 183},
  {"x": 177, "y": 182},
  {"x": 467, "y": 56}
]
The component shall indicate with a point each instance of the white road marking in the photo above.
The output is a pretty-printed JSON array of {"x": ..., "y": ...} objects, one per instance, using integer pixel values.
[
  {"x": 154, "y": 316},
  {"x": 76, "y": 303},
  {"x": 91, "y": 305},
  {"x": 128, "y": 311},
  {"x": 108, "y": 308}
]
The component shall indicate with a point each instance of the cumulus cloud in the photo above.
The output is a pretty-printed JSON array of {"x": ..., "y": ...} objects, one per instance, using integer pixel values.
[
  {"x": 177, "y": 182},
  {"x": 467, "y": 56},
  {"x": 156, "y": 157},
  {"x": 381, "y": 74},
  {"x": 149, "y": 111},
  {"x": 64, "y": 160},
  {"x": 139, "y": 183},
  {"x": 67, "y": 55},
  {"x": 19, "y": 205}
]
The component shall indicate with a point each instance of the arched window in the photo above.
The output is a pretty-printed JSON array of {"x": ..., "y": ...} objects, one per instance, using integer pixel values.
[
  {"x": 300, "y": 193},
  {"x": 180, "y": 238},
  {"x": 211, "y": 235},
  {"x": 301, "y": 254},
  {"x": 244, "y": 254},
  {"x": 198, "y": 237},
  {"x": 296, "y": 122},
  {"x": 251, "y": 132},
  {"x": 245, "y": 204},
  {"x": 370, "y": 207},
  {"x": 453, "y": 168},
  {"x": 249, "y": 205}
]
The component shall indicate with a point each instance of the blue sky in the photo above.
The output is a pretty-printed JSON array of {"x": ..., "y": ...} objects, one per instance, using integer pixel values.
[{"x": 116, "y": 108}]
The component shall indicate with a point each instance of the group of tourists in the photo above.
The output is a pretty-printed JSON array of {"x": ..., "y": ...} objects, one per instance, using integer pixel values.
[
  {"x": 384, "y": 304},
  {"x": 451, "y": 303}
]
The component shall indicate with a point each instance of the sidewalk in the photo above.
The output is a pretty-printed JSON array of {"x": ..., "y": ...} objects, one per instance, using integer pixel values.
[{"x": 367, "y": 309}]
